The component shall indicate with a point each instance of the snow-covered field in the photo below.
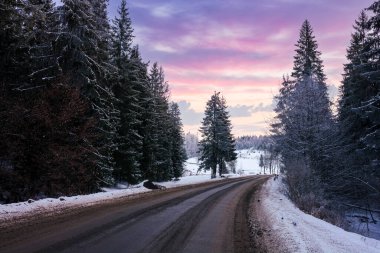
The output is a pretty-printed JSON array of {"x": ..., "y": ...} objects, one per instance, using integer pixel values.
[
  {"x": 291, "y": 230},
  {"x": 246, "y": 164},
  {"x": 247, "y": 161}
]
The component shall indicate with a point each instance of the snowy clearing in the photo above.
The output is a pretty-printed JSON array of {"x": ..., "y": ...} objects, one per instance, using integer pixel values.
[
  {"x": 247, "y": 163},
  {"x": 288, "y": 229}
]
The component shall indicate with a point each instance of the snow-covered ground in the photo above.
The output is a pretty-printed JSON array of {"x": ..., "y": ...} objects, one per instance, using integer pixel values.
[
  {"x": 247, "y": 161},
  {"x": 288, "y": 229},
  {"x": 247, "y": 164},
  {"x": 15, "y": 210}
]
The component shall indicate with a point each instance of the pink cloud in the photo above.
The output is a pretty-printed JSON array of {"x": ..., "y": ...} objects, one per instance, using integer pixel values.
[{"x": 240, "y": 47}]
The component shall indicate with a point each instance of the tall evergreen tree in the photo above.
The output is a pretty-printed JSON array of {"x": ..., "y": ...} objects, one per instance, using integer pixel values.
[
  {"x": 307, "y": 61},
  {"x": 42, "y": 26},
  {"x": 351, "y": 123},
  {"x": 303, "y": 125},
  {"x": 370, "y": 108},
  {"x": 122, "y": 36},
  {"x": 217, "y": 144},
  {"x": 125, "y": 87},
  {"x": 146, "y": 116},
  {"x": 177, "y": 141},
  {"x": 359, "y": 108},
  {"x": 82, "y": 62},
  {"x": 13, "y": 50},
  {"x": 160, "y": 142}
]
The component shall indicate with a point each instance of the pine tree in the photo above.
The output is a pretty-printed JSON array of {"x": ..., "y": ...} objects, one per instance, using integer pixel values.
[
  {"x": 307, "y": 62},
  {"x": 351, "y": 123},
  {"x": 370, "y": 108},
  {"x": 122, "y": 36},
  {"x": 178, "y": 153},
  {"x": 359, "y": 108},
  {"x": 353, "y": 90},
  {"x": 160, "y": 143},
  {"x": 82, "y": 63},
  {"x": 227, "y": 140},
  {"x": 146, "y": 116},
  {"x": 283, "y": 106},
  {"x": 13, "y": 49},
  {"x": 42, "y": 26},
  {"x": 126, "y": 89},
  {"x": 261, "y": 161},
  {"x": 217, "y": 144},
  {"x": 303, "y": 126}
]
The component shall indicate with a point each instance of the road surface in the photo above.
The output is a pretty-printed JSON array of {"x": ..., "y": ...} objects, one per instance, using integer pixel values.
[{"x": 205, "y": 218}]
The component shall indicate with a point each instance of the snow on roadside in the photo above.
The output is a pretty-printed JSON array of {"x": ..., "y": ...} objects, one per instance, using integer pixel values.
[
  {"x": 247, "y": 159},
  {"x": 16, "y": 210},
  {"x": 296, "y": 231}
]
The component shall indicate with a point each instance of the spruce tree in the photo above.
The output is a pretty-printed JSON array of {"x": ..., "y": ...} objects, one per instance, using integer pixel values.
[
  {"x": 353, "y": 90},
  {"x": 303, "y": 125},
  {"x": 160, "y": 143},
  {"x": 359, "y": 108},
  {"x": 126, "y": 89},
  {"x": 227, "y": 140},
  {"x": 82, "y": 63},
  {"x": 217, "y": 144},
  {"x": 42, "y": 25},
  {"x": 307, "y": 61},
  {"x": 261, "y": 161},
  {"x": 353, "y": 93},
  {"x": 146, "y": 116},
  {"x": 370, "y": 108},
  {"x": 13, "y": 50},
  {"x": 122, "y": 36},
  {"x": 177, "y": 141}
]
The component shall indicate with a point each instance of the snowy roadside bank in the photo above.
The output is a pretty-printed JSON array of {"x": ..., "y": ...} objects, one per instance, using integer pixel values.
[
  {"x": 22, "y": 210},
  {"x": 247, "y": 164},
  {"x": 282, "y": 227}
]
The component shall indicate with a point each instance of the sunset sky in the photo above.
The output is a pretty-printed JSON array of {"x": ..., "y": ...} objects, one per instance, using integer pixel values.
[{"x": 239, "y": 47}]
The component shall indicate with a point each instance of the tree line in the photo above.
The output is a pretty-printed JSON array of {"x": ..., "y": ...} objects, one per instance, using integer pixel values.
[
  {"x": 252, "y": 141},
  {"x": 327, "y": 156},
  {"x": 79, "y": 108}
]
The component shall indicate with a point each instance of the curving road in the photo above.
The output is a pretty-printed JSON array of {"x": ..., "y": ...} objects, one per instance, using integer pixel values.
[{"x": 204, "y": 218}]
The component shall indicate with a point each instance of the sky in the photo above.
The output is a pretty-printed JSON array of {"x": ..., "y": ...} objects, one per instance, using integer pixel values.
[{"x": 238, "y": 47}]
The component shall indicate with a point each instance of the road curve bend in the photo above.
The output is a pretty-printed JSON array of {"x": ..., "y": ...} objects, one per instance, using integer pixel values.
[{"x": 207, "y": 218}]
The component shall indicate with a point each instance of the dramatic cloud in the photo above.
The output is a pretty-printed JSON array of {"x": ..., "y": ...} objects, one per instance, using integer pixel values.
[
  {"x": 240, "y": 111},
  {"x": 263, "y": 108},
  {"x": 189, "y": 116},
  {"x": 248, "y": 110}
]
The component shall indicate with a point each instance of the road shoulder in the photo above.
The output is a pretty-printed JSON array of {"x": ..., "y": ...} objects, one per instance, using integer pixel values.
[{"x": 278, "y": 226}]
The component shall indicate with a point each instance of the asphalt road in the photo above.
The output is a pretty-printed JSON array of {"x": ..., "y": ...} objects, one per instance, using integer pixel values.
[{"x": 206, "y": 218}]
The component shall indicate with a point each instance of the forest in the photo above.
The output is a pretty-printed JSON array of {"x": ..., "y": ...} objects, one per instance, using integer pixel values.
[
  {"x": 331, "y": 160},
  {"x": 79, "y": 107}
]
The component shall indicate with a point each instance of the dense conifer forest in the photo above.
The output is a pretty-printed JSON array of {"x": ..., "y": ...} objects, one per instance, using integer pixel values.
[
  {"x": 327, "y": 156},
  {"x": 79, "y": 107}
]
